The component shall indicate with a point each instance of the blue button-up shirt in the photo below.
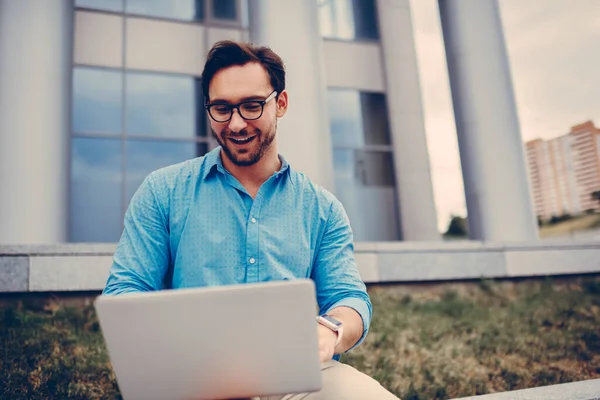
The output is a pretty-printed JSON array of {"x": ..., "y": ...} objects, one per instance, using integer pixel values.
[{"x": 193, "y": 224}]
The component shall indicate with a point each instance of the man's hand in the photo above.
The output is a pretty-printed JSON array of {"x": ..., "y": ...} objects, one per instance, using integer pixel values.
[{"x": 327, "y": 339}]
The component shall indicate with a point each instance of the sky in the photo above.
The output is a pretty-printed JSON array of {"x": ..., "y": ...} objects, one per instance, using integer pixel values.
[{"x": 554, "y": 54}]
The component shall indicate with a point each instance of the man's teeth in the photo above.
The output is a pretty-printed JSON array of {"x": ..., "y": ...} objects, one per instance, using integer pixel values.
[{"x": 244, "y": 140}]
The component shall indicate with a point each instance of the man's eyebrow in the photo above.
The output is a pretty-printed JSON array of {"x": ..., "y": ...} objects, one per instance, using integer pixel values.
[{"x": 248, "y": 98}]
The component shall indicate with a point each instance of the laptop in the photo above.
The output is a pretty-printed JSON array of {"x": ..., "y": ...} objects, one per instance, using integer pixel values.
[{"x": 213, "y": 343}]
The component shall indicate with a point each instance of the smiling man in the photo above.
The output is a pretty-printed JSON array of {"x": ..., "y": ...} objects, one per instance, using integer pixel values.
[{"x": 241, "y": 214}]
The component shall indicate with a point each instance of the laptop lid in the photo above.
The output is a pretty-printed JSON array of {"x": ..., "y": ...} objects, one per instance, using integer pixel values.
[{"x": 212, "y": 343}]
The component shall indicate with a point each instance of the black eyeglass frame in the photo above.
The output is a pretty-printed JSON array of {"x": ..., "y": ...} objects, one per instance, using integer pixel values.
[{"x": 237, "y": 107}]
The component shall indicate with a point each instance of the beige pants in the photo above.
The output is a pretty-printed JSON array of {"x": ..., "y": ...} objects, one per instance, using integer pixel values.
[{"x": 342, "y": 382}]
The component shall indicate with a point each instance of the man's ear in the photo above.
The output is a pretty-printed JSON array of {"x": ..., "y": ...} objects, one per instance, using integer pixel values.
[{"x": 282, "y": 103}]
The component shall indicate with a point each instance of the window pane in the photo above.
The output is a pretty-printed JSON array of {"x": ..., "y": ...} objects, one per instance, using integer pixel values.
[
  {"x": 345, "y": 118},
  {"x": 225, "y": 9},
  {"x": 375, "y": 168},
  {"x": 145, "y": 156},
  {"x": 171, "y": 9},
  {"x": 96, "y": 101},
  {"x": 166, "y": 106},
  {"x": 96, "y": 208},
  {"x": 348, "y": 19},
  {"x": 365, "y": 19},
  {"x": 366, "y": 178},
  {"x": 108, "y": 5},
  {"x": 358, "y": 119},
  {"x": 375, "y": 117},
  {"x": 366, "y": 168},
  {"x": 335, "y": 19}
]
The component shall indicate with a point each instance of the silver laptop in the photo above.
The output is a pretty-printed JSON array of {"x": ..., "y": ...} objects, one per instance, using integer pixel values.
[{"x": 213, "y": 343}]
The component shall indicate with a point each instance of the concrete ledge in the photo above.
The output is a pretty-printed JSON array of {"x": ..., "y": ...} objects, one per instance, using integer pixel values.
[
  {"x": 425, "y": 266},
  {"x": 14, "y": 274},
  {"x": 583, "y": 390},
  {"x": 68, "y": 273},
  {"x": 76, "y": 267},
  {"x": 422, "y": 261},
  {"x": 552, "y": 261},
  {"x": 59, "y": 249},
  {"x": 367, "y": 264},
  {"x": 468, "y": 245}
]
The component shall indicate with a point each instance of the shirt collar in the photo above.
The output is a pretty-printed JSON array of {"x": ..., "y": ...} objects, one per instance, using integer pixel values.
[{"x": 213, "y": 162}]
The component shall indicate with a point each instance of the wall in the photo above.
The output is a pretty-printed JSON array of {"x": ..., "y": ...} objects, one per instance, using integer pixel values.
[{"x": 83, "y": 267}]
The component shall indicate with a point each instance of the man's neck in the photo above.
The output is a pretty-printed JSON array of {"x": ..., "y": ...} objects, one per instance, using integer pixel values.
[{"x": 253, "y": 176}]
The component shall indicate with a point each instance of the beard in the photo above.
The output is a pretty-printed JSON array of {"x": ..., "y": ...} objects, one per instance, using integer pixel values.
[{"x": 250, "y": 155}]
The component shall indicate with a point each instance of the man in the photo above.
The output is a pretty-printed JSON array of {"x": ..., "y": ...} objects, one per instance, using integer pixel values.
[{"x": 241, "y": 214}]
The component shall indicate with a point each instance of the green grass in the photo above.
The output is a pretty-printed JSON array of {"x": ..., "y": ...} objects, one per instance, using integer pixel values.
[
  {"x": 51, "y": 351},
  {"x": 577, "y": 224},
  {"x": 458, "y": 340},
  {"x": 426, "y": 342}
]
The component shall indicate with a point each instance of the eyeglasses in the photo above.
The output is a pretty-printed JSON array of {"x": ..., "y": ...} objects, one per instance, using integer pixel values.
[{"x": 249, "y": 110}]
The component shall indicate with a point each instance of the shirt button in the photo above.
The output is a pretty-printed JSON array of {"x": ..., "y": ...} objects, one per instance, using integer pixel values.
[
  {"x": 252, "y": 261},
  {"x": 253, "y": 220}
]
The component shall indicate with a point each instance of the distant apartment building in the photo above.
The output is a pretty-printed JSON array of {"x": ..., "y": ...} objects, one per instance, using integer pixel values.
[{"x": 564, "y": 171}]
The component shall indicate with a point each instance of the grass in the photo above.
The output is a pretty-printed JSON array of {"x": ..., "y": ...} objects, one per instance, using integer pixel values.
[
  {"x": 426, "y": 342},
  {"x": 459, "y": 340},
  {"x": 581, "y": 223},
  {"x": 577, "y": 224},
  {"x": 53, "y": 351}
]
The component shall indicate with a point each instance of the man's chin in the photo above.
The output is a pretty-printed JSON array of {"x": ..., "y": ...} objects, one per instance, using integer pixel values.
[
  {"x": 244, "y": 163},
  {"x": 242, "y": 160}
]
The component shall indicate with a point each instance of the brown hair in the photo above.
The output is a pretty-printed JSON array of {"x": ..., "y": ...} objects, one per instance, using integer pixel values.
[{"x": 227, "y": 53}]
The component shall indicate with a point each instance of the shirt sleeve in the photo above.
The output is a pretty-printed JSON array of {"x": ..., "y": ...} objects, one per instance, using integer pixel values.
[
  {"x": 337, "y": 280},
  {"x": 142, "y": 257}
]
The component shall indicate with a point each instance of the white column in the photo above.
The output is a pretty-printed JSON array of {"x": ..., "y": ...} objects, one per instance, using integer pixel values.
[
  {"x": 413, "y": 175},
  {"x": 291, "y": 29},
  {"x": 492, "y": 155},
  {"x": 35, "y": 91}
]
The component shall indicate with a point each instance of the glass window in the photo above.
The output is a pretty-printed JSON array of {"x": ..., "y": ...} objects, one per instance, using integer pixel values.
[
  {"x": 348, "y": 19},
  {"x": 145, "y": 156},
  {"x": 365, "y": 19},
  {"x": 346, "y": 118},
  {"x": 335, "y": 19},
  {"x": 107, "y": 5},
  {"x": 367, "y": 168},
  {"x": 96, "y": 101},
  {"x": 374, "y": 168},
  {"x": 358, "y": 119},
  {"x": 364, "y": 163},
  {"x": 170, "y": 9},
  {"x": 225, "y": 9},
  {"x": 375, "y": 118},
  {"x": 165, "y": 106},
  {"x": 367, "y": 178},
  {"x": 96, "y": 190}
]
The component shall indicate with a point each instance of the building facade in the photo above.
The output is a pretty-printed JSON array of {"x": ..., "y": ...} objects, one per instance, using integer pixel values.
[
  {"x": 96, "y": 94},
  {"x": 586, "y": 163},
  {"x": 565, "y": 171}
]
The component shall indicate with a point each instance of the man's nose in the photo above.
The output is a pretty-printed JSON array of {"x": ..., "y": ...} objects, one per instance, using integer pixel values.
[{"x": 236, "y": 123}]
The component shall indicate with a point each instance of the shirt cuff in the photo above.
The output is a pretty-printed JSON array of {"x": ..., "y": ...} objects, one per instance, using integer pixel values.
[{"x": 361, "y": 307}]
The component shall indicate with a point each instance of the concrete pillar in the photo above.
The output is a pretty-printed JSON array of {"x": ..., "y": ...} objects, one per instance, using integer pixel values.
[
  {"x": 291, "y": 29},
  {"x": 413, "y": 175},
  {"x": 35, "y": 91},
  {"x": 492, "y": 155}
]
